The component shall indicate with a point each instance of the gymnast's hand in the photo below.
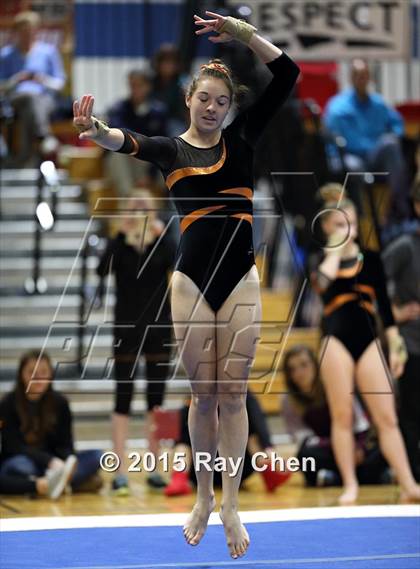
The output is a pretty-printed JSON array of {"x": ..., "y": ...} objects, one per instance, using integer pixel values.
[
  {"x": 82, "y": 112},
  {"x": 228, "y": 28},
  {"x": 398, "y": 354},
  {"x": 396, "y": 364},
  {"x": 213, "y": 25},
  {"x": 338, "y": 240}
]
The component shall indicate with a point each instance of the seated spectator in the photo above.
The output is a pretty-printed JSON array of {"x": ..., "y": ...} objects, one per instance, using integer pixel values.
[
  {"x": 402, "y": 266},
  {"x": 168, "y": 87},
  {"x": 259, "y": 440},
  {"x": 308, "y": 421},
  {"x": 141, "y": 113},
  {"x": 372, "y": 131},
  {"x": 31, "y": 76},
  {"x": 37, "y": 451}
]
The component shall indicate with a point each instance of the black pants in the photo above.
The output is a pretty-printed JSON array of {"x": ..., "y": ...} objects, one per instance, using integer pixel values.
[
  {"x": 369, "y": 471},
  {"x": 409, "y": 391},
  {"x": 129, "y": 344},
  {"x": 16, "y": 485}
]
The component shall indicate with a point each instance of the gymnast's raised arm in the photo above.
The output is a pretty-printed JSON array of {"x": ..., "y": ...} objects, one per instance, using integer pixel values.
[{"x": 250, "y": 122}]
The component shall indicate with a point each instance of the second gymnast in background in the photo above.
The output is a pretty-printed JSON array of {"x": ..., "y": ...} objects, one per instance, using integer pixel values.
[{"x": 352, "y": 284}]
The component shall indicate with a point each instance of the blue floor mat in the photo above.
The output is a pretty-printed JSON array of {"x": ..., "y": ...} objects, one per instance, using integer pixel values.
[{"x": 362, "y": 543}]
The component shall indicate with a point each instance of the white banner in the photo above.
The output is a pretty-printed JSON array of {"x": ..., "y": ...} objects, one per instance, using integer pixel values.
[{"x": 333, "y": 29}]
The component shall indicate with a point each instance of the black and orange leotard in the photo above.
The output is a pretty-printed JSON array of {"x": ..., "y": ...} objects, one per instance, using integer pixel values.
[
  {"x": 212, "y": 189},
  {"x": 352, "y": 301}
]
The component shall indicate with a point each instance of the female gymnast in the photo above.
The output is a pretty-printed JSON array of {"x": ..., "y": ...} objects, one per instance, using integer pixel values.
[
  {"x": 216, "y": 306},
  {"x": 352, "y": 283}
]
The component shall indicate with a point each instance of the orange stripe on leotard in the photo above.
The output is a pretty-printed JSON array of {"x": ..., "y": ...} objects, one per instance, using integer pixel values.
[
  {"x": 338, "y": 301},
  {"x": 343, "y": 298},
  {"x": 245, "y": 192},
  {"x": 366, "y": 289},
  {"x": 195, "y": 170},
  {"x": 136, "y": 145},
  {"x": 197, "y": 214}
]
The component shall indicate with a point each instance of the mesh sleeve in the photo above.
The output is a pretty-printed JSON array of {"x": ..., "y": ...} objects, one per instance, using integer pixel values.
[{"x": 159, "y": 150}]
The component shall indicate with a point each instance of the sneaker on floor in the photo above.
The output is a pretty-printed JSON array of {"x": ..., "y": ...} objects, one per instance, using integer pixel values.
[
  {"x": 120, "y": 485},
  {"x": 155, "y": 480},
  {"x": 273, "y": 479},
  {"x": 326, "y": 477},
  {"x": 179, "y": 485},
  {"x": 59, "y": 477},
  {"x": 387, "y": 477}
]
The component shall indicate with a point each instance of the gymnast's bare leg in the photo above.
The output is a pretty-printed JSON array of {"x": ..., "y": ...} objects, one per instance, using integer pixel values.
[
  {"x": 232, "y": 344},
  {"x": 337, "y": 372},
  {"x": 237, "y": 333},
  {"x": 194, "y": 327}
]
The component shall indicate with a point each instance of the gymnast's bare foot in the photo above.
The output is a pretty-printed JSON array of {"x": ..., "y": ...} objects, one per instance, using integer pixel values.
[
  {"x": 236, "y": 535},
  {"x": 410, "y": 496},
  {"x": 349, "y": 496},
  {"x": 196, "y": 524}
]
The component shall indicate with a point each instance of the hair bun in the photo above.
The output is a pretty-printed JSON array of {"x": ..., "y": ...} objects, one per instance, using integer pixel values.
[
  {"x": 217, "y": 68},
  {"x": 332, "y": 193},
  {"x": 218, "y": 65},
  {"x": 219, "y": 62}
]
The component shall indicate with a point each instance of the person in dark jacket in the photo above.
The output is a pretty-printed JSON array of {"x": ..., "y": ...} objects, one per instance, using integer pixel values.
[
  {"x": 402, "y": 266},
  {"x": 140, "y": 256},
  {"x": 142, "y": 111},
  {"x": 169, "y": 86},
  {"x": 37, "y": 448}
]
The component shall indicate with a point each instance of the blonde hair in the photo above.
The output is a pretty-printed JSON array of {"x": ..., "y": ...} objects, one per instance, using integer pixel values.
[
  {"x": 333, "y": 195},
  {"x": 143, "y": 193},
  {"x": 141, "y": 230},
  {"x": 27, "y": 17}
]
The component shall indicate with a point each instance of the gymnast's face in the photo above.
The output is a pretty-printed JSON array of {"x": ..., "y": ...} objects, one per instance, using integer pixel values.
[
  {"x": 343, "y": 225},
  {"x": 302, "y": 371},
  {"x": 36, "y": 377},
  {"x": 209, "y": 104}
]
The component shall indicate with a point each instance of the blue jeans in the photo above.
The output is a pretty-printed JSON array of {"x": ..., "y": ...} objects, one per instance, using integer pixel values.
[{"x": 22, "y": 465}]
